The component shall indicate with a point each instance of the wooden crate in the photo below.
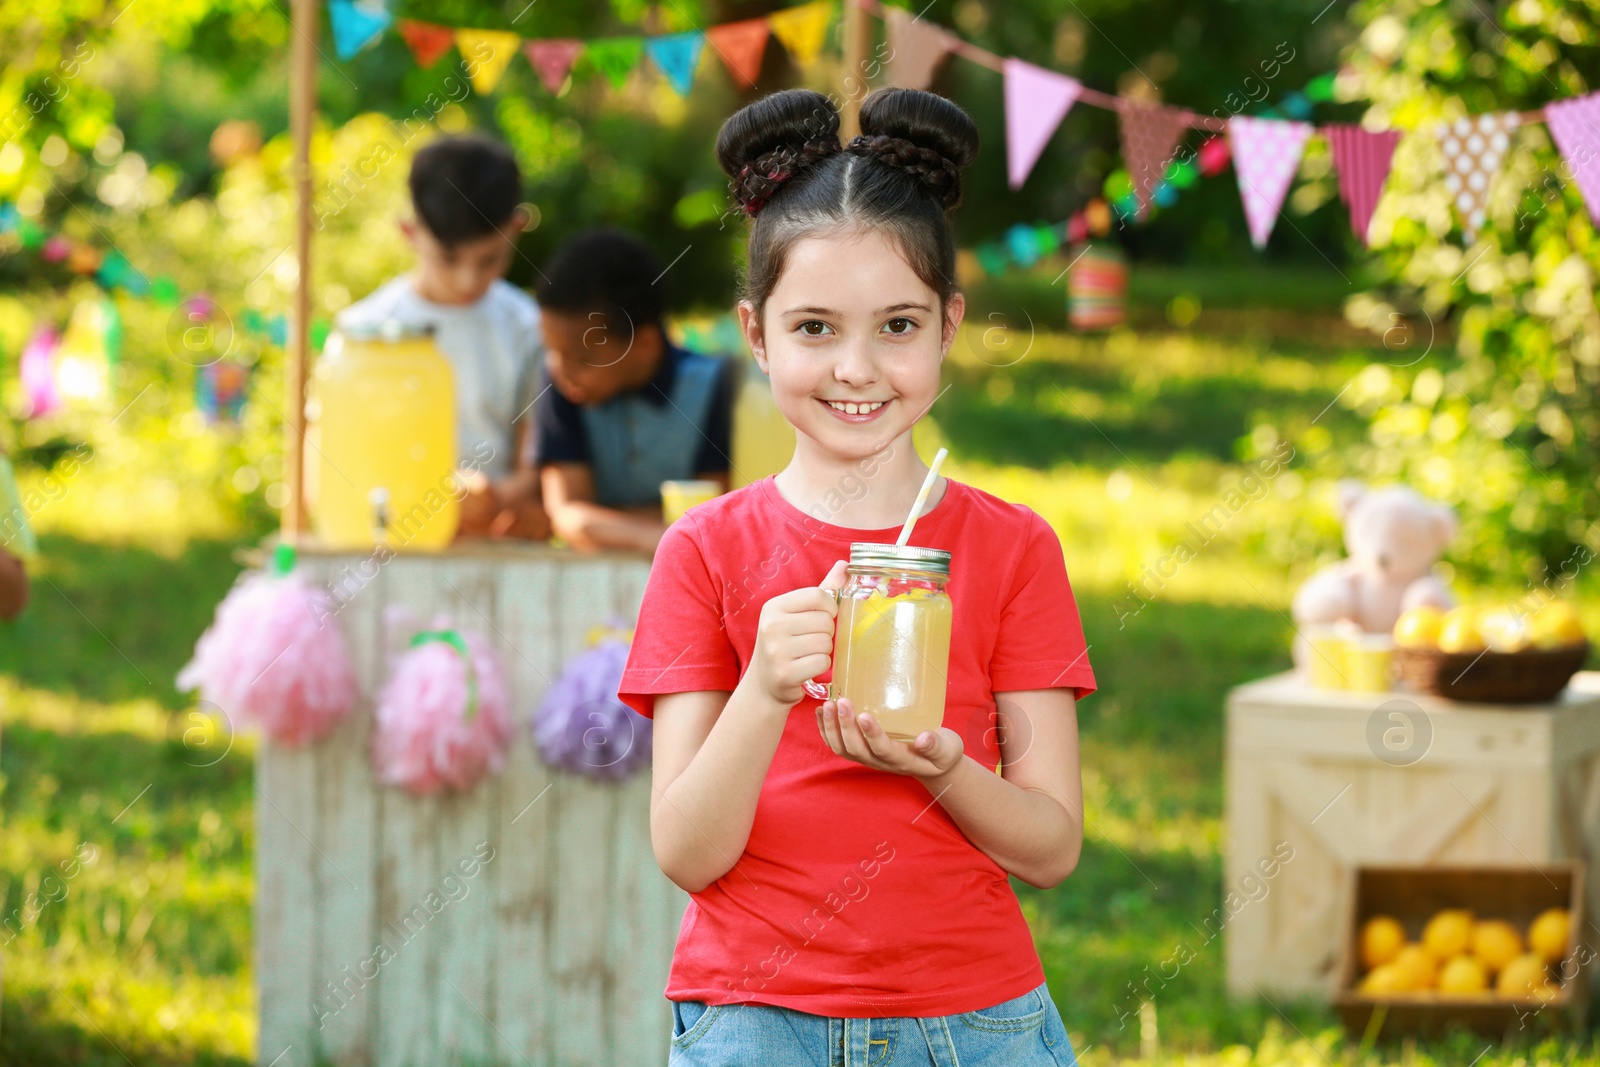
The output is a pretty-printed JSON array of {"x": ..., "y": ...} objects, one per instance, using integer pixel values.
[
  {"x": 1327, "y": 778},
  {"x": 1412, "y": 895},
  {"x": 556, "y": 950}
]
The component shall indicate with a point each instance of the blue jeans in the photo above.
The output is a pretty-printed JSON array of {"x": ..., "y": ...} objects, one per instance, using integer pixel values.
[{"x": 1024, "y": 1032}]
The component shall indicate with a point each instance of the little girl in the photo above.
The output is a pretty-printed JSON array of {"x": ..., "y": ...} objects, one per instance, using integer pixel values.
[{"x": 849, "y": 895}]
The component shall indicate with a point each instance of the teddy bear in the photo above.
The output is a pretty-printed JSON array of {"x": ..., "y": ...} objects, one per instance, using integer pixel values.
[{"x": 1394, "y": 537}]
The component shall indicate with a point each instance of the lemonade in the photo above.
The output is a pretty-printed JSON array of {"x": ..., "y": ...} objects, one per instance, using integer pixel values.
[
  {"x": 890, "y": 656},
  {"x": 891, "y": 651}
]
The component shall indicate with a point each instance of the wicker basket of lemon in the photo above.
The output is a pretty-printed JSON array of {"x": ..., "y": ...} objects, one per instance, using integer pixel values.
[
  {"x": 1502, "y": 654},
  {"x": 1477, "y": 947}
]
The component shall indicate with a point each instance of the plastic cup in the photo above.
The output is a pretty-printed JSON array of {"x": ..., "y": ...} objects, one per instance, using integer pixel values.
[{"x": 679, "y": 496}]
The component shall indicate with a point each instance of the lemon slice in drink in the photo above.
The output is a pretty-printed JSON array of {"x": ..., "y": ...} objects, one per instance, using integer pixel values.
[{"x": 869, "y": 612}]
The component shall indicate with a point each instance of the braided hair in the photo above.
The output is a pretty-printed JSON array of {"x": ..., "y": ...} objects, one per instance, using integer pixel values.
[{"x": 794, "y": 179}]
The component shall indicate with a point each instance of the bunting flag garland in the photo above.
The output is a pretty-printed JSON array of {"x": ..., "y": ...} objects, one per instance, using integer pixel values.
[
  {"x": 916, "y": 48},
  {"x": 1575, "y": 128},
  {"x": 802, "y": 30},
  {"x": 740, "y": 45},
  {"x": 615, "y": 57},
  {"x": 427, "y": 41},
  {"x": 1362, "y": 159},
  {"x": 676, "y": 57},
  {"x": 1474, "y": 148},
  {"x": 1036, "y": 102},
  {"x": 356, "y": 24},
  {"x": 553, "y": 59},
  {"x": 1266, "y": 155},
  {"x": 1150, "y": 133},
  {"x": 488, "y": 53}
]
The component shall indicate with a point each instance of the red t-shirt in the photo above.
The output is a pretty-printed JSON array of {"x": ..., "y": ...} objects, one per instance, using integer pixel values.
[{"x": 856, "y": 896}]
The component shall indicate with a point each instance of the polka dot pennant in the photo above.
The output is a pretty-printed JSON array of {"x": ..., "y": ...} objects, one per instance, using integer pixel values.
[
  {"x": 1266, "y": 155},
  {"x": 1150, "y": 133},
  {"x": 1474, "y": 148}
]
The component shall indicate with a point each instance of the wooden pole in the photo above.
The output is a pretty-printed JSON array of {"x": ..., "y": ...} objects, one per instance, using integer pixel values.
[
  {"x": 857, "y": 42},
  {"x": 302, "y": 117}
]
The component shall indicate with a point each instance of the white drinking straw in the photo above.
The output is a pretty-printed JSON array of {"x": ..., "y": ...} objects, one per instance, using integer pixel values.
[{"x": 922, "y": 497}]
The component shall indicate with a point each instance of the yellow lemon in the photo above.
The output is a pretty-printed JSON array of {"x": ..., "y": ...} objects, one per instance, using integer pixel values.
[
  {"x": 1504, "y": 630},
  {"x": 1448, "y": 933},
  {"x": 1495, "y": 943},
  {"x": 1521, "y": 976},
  {"x": 1549, "y": 934},
  {"x": 1381, "y": 940},
  {"x": 1419, "y": 966},
  {"x": 1458, "y": 632},
  {"x": 1385, "y": 978},
  {"x": 1419, "y": 627},
  {"x": 1463, "y": 974},
  {"x": 1556, "y": 624}
]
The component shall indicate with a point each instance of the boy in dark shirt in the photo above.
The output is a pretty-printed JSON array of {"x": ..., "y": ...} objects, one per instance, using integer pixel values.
[{"x": 621, "y": 409}]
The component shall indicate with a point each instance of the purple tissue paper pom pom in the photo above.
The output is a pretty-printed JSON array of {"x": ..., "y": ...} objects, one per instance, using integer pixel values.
[{"x": 582, "y": 726}]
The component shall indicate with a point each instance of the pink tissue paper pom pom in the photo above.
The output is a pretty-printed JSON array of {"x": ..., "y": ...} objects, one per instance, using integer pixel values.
[
  {"x": 424, "y": 739},
  {"x": 272, "y": 660}
]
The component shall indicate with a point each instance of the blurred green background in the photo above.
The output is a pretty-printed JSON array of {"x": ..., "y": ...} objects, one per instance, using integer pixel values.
[{"x": 1468, "y": 372}]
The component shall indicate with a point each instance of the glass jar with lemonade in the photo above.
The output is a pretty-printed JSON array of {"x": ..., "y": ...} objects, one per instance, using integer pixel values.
[{"x": 891, "y": 651}]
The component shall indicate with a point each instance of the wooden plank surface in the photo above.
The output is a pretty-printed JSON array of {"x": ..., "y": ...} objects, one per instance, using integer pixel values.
[
  {"x": 585, "y": 822},
  {"x": 555, "y": 949},
  {"x": 463, "y": 942},
  {"x": 639, "y": 939},
  {"x": 409, "y": 895},
  {"x": 524, "y": 823},
  {"x": 285, "y": 928},
  {"x": 345, "y": 972}
]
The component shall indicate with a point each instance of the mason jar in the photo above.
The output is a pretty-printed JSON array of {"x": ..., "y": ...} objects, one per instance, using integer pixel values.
[{"x": 891, "y": 644}]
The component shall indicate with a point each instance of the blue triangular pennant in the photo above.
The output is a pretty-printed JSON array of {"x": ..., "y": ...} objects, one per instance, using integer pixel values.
[
  {"x": 356, "y": 24},
  {"x": 676, "y": 56}
]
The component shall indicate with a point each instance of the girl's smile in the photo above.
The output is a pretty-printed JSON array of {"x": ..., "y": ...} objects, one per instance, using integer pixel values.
[{"x": 857, "y": 411}]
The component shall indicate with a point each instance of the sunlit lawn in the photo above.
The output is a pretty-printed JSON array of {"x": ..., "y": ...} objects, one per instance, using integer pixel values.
[{"x": 143, "y": 955}]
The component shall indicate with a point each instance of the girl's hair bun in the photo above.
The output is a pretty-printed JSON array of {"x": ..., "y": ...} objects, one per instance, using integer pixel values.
[
  {"x": 767, "y": 142},
  {"x": 923, "y": 134}
]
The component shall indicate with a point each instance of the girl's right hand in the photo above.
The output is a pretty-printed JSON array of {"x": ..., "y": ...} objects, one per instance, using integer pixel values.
[{"x": 794, "y": 639}]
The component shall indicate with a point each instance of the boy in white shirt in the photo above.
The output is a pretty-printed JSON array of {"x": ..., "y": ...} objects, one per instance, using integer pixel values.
[{"x": 465, "y": 193}]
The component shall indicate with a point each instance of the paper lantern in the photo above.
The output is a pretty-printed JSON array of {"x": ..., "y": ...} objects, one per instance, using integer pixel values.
[{"x": 1097, "y": 288}]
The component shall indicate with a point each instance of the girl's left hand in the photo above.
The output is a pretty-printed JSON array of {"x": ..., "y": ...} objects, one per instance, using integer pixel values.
[{"x": 861, "y": 738}]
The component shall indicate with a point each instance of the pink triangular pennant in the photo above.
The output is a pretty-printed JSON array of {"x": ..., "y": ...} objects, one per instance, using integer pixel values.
[
  {"x": 1361, "y": 158},
  {"x": 740, "y": 46},
  {"x": 1575, "y": 127},
  {"x": 1266, "y": 155},
  {"x": 1473, "y": 149},
  {"x": 916, "y": 48},
  {"x": 552, "y": 58},
  {"x": 1036, "y": 102},
  {"x": 1150, "y": 132}
]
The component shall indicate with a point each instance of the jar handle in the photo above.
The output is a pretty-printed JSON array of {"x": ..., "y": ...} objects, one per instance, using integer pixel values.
[{"x": 816, "y": 689}]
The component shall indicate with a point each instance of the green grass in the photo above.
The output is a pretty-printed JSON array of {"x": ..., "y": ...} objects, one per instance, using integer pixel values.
[{"x": 1118, "y": 441}]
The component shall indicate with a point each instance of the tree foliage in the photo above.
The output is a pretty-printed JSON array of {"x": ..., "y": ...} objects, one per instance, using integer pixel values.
[{"x": 1508, "y": 426}]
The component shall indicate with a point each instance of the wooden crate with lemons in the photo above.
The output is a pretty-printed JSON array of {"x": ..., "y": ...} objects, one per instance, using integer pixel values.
[
  {"x": 1423, "y": 757},
  {"x": 1490, "y": 949}
]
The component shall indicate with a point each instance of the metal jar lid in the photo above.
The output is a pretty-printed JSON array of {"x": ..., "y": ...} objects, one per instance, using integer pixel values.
[
  {"x": 388, "y": 330},
  {"x": 934, "y": 561}
]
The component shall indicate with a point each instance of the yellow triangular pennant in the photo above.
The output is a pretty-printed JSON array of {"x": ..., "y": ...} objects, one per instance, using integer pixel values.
[
  {"x": 487, "y": 53},
  {"x": 803, "y": 29}
]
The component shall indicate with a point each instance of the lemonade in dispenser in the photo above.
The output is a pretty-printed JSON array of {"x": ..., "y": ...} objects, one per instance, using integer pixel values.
[{"x": 382, "y": 432}]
